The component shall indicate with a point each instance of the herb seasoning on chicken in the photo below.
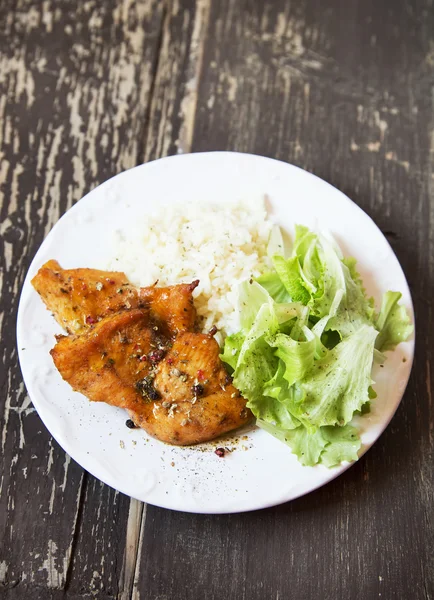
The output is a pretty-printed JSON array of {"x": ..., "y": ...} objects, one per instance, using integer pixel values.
[{"x": 140, "y": 350}]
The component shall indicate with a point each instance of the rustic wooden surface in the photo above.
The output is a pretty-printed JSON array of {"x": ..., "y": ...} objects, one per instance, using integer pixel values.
[{"x": 344, "y": 89}]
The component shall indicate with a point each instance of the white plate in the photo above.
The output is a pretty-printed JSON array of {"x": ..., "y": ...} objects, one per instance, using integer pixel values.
[{"x": 261, "y": 471}]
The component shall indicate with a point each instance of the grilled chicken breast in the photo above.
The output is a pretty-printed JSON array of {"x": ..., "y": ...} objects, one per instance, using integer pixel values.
[
  {"x": 197, "y": 399},
  {"x": 173, "y": 304},
  {"x": 106, "y": 361},
  {"x": 176, "y": 389},
  {"x": 78, "y": 298}
]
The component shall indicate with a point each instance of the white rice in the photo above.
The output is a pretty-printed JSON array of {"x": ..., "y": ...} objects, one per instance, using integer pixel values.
[{"x": 221, "y": 245}]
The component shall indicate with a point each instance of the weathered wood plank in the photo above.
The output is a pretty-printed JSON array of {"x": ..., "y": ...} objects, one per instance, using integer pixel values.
[
  {"x": 101, "y": 542},
  {"x": 23, "y": 592},
  {"x": 133, "y": 548},
  {"x": 170, "y": 131},
  {"x": 174, "y": 101},
  {"x": 343, "y": 90},
  {"x": 75, "y": 81}
]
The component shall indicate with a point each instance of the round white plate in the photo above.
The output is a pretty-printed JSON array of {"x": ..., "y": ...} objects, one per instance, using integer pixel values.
[{"x": 260, "y": 471}]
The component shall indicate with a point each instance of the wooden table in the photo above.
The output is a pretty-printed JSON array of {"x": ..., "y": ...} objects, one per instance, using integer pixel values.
[{"x": 341, "y": 88}]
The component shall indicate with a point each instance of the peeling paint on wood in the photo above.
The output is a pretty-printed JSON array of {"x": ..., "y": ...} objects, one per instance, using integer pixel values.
[
  {"x": 345, "y": 90},
  {"x": 75, "y": 85},
  {"x": 311, "y": 89},
  {"x": 135, "y": 524},
  {"x": 175, "y": 93}
]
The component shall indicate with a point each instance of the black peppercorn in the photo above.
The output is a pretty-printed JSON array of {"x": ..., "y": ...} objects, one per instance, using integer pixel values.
[
  {"x": 198, "y": 389},
  {"x": 147, "y": 390}
]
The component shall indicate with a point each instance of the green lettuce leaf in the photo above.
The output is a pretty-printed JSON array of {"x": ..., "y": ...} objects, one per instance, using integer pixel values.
[
  {"x": 273, "y": 413},
  {"x": 330, "y": 281},
  {"x": 232, "y": 347},
  {"x": 343, "y": 443},
  {"x": 307, "y": 250},
  {"x": 256, "y": 362},
  {"x": 277, "y": 386},
  {"x": 327, "y": 445},
  {"x": 307, "y": 446},
  {"x": 340, "y": 298},
  {"x": 257, "y": 367},
  {"x": 355, "y": 309},
  {"x": 297, "y": 356},
  {"x": 337, "y": 385},
  {"x": 251, "y": 296},
  {"x": 393, "y": 323},
  {"x": 308, "y": 339},
  {"x": 289, "y": 310},
  {"x": 272, "y": 283},
  {"x": 276, "y": 245},
  {"x": 291, "y": 276}
]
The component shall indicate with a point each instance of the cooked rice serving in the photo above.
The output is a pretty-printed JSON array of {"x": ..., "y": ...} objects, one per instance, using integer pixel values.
[{"x": 221, "y": 245}]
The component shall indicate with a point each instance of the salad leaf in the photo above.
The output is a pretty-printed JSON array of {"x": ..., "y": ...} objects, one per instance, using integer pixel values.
[
  {"x": 232, "y": 347},
  {"x": 308, "y": 340},
  {"x": 266, "y": 323},
  {"x": 256, "y": 368},
  {"x": 277, "y": 387},
  {"x": 336, "y": 291},
  {"x": 328, "y": 445},
  {"x": 276, "y": 245},
  {"x": 271, "y": 412},
  {"x": 256, "y": 362},
  {"x": 322, "y": 259},
  {"x": 337, "y": 384},
  {"x": 343, "y": 444},
  {"x": 355, "y": 309},
  {"x": 290, "y": 274},
  {"x": 320, "y": 326},
  {"x": 272, "y": 283},
  {"x": 251, "y": 296},
  {"x": 307, "y": 446},
  {"x": 351, "y": 263},
  {"x": 393, "y": 323},
  {"x": 297, "y": 356},
  {"x": 342, "y": 298}
]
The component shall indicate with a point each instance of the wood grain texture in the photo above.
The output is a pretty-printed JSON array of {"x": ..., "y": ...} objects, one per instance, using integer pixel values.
[
  {"x": 343, "y": 89},
  {"x": 75, "y": 81},
  {"x": 174, "y": 101}
]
